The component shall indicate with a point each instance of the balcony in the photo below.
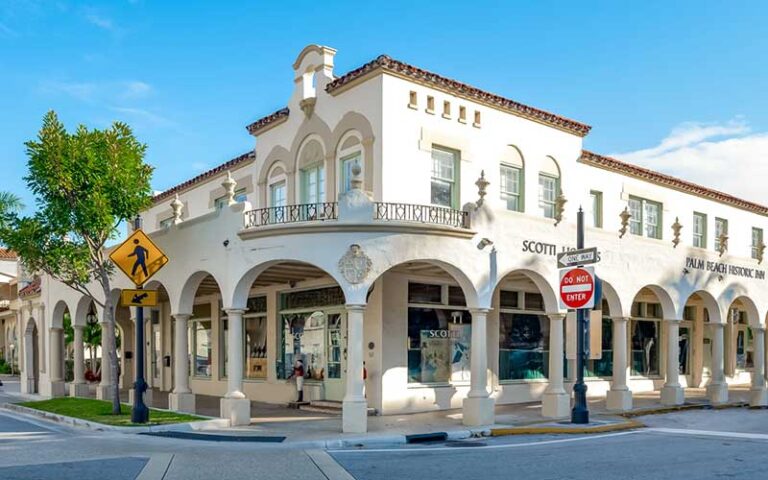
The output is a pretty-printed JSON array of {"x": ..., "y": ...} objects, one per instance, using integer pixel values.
[
  {"x": 356, "y": 212},
  {"x": 305, "y": 212}
]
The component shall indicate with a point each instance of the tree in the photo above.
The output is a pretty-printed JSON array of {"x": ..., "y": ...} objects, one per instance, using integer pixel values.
[
  {"x": 9, "y": 203},
  {"x": 85, "y": 184}
]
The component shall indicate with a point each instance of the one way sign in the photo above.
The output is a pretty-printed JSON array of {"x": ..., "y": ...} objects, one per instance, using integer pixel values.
[{"x": 577, "y": 258}]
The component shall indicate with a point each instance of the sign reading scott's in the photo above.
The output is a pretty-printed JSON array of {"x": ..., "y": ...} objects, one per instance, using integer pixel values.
[{"x": 723, "y": 268}]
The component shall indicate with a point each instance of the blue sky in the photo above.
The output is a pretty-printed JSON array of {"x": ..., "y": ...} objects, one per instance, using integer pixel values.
[{"x": 676, "y": 86}]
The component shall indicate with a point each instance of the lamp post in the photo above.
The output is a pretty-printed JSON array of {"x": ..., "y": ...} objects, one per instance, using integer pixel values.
[
  {"x": 139, "y": 412},
  {"x": 580, "y": 411}
]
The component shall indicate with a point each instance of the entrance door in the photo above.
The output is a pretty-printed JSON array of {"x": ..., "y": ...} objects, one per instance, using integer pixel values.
[
  {"x": 157, "y": 356},
  {"x": 685, "y": 342},
  {"x": 336, "y": 348}
]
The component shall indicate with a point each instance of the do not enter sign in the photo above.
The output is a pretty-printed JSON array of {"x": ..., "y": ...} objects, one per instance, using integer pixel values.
[{"x": 577, "y": 288}]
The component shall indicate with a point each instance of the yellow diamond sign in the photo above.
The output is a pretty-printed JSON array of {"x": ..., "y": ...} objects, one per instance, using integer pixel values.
[{"x": 138, "y": 257}]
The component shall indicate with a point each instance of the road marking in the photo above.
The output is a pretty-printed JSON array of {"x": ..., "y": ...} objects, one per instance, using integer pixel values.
[
  {"x": 328, "y": 466},
  {"x": 709, "y": 433},
  {"x": 486, "y": 447},
  {"x": 156, "y": 467}
]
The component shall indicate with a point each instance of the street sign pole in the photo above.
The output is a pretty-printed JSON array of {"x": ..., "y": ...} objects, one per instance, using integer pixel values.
[
  {"x": 139, "y": 412},
  {"x": 580, "y": 411}
]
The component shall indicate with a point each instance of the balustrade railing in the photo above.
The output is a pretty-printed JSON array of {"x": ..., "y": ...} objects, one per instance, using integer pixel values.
[
  {"x": 305, "y": 212},
  {"x": 406, "y": 212}
]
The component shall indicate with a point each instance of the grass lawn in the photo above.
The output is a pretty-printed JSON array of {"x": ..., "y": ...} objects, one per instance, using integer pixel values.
[{"x": 101, "y": 411}]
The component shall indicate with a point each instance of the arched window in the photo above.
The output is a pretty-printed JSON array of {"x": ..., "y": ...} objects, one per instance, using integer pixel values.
[
  {"x": 512, "y": 179},
  {"x": 349, "y": 153},
  {"x": 549, "y": 187},
  {"x": 278, "y": 191},
  {"x": 312, "y": 172}
]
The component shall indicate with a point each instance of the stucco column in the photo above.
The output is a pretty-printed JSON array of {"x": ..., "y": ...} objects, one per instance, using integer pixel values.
[
  {"x": 355, "y": 407},
  {"x": 57, "y": 362},
  {"x": 556, "y": 403},
  {"x": 234, "y": 406},
  {"x": 619, "y": 396},
  {"x": 78, "y": 387},
  {"x": 104, "y": 390},
  {"x": 672, "y": 393},
  {"x": 758, "y": 395},
  {"x": 478, "y": 407},
  {"x": 181, "y": 399},
  {"x": 717, "y": 390}
]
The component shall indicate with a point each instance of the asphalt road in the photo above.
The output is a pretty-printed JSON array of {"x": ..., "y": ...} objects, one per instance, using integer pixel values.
[{"x": 698, "y": 444}]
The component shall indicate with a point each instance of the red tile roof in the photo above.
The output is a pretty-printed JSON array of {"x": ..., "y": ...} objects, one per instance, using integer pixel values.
[
  {"x": 259, "y": 124},
  {"x": 7, "y": 254},
  {"x": 614, "y": 165},
  {"x": 409, "y": 72},
  {"x": 32, "y": 289},
  {"x": 235, "y": 162}
]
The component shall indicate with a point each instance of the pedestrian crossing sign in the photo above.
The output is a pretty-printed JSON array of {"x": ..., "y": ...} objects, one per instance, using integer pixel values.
[{"x": 138, "y": 257}]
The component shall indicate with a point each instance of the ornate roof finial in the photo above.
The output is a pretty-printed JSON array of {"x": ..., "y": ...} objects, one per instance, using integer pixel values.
[
  {"x": 176, "y": 206},
  {"x": 229, "y": 185}
]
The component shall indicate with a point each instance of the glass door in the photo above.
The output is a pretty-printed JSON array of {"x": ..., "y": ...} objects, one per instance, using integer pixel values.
[
  {"x": 337, "y": 357},
  {"x": 685, "y": 350}
]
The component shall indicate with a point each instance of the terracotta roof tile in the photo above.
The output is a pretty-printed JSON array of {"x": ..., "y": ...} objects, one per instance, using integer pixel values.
[
  {"x": 259, "y": 124},
  {"x": 402, "y": 69},
  {"x": 7, "y": 254},
  {"x": 614, "y": 165},
  {"x": 32, "y": 289},
  {"x": 235, "y": 162}
]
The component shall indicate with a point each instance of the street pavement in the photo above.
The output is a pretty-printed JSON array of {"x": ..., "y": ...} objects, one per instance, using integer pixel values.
[{"x": 709, "y": 444}]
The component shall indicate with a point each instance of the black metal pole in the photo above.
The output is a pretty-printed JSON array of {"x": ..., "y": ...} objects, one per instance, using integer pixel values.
[
  {"x": 580, "y": 411},
  {"x": 139, "y": 412}
]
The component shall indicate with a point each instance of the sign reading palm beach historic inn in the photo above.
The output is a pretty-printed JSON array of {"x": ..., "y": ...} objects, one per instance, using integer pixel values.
[{"x": 394, "y": 218}]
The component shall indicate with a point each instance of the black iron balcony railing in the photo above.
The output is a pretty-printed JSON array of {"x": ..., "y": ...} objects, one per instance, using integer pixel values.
[
  {"x": 305, "y": 212},
  {"x": 406, "y": 212}
]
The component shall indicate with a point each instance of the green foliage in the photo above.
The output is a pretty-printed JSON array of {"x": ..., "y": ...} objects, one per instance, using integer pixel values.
[
  {"x": 85, "y": 184},
  {"x": 100, "y": 411},
  {"x": 5, "y": 368}
]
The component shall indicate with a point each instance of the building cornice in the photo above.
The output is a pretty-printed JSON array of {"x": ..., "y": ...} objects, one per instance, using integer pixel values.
[
  {"x": 611, "y": 164},
  {"x": 265, "y": 123},
  {"x": 386, "y": 64},
  {"x": 221, "y": 169}
]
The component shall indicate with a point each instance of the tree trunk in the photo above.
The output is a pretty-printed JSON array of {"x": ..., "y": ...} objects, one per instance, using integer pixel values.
[{"x": 109, "y": 321}]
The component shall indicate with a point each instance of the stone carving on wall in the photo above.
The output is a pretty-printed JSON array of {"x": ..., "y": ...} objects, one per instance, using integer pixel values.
[{"x": 355, "y": 265}]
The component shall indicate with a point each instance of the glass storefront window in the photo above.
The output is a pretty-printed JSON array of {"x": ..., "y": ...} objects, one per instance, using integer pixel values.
[
  {"x": 201, "y": 348},
  {"x": 439, "y": 342},
  {"x": 645, "y": 347},
  {"x": 335, "y": 345},
  {"x": 684, "y": 343},
  {"x": 603, "y": 367},
  {"x": 303, "y": 338},
  {"x": 523, "y": 346},
  {"x": 255, "y": 337}
]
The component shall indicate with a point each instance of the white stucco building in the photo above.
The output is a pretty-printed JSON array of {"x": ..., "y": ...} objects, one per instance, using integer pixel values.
[{"x": 394, "y": 218}]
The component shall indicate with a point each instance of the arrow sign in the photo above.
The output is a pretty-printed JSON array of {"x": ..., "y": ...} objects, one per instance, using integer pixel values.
[
  {"x": 138, "y": 298},
  {"x": 574, "y": 258}
]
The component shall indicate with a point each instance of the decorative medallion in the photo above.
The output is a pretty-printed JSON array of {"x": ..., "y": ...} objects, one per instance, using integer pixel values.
[{"x": 355, "y": 265}]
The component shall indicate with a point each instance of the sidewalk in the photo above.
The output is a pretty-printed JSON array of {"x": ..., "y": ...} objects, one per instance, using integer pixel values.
[{"x": 302, "y": 429}]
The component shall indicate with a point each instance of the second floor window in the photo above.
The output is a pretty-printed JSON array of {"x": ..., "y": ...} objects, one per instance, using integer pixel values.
[
  {"x": 510, "y": 185},
  {"x": 596, "y": 199},
  {"x": 646, "y": 217},
  {"x": 547, "y": 195},
  {"x": 721, "y": 228},
  {"x": 444, "y": 176},
  {"x": 757, "y": 241},
  {"x": 313, "y": 184},
  {"x": 699, "y": 230},
  {"x": 221, "y": 202},
  {"x": 277, "y": 195}
]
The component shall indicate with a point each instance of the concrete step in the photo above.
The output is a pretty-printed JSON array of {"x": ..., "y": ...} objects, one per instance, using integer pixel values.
[{"x": 329, "y": 407}]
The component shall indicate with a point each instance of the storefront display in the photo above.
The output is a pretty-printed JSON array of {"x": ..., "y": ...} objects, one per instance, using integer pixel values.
[{"x": 523, "y": 337}]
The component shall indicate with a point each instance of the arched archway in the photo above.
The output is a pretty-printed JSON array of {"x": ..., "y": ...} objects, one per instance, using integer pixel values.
[{"x": 700, "y": 317}]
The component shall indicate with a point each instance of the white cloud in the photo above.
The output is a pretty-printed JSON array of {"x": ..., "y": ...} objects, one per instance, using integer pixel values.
[
  {"x": 80, "y": 90},
  {"x": 145, "y": 116},
  {"x": 100, "y": 21},
  {"x": 99, "y": 91},
  {"x": 136, "y": 89},
  {"x": 729, "y": 157},
  {"x": 7, "y": 31}
]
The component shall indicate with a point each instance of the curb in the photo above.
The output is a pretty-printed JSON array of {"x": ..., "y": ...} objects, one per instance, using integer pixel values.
[
  {"x": 681, "y": 408},
  {"x": 100, "y": 427},
  {"x": 616, "y": 427}
]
